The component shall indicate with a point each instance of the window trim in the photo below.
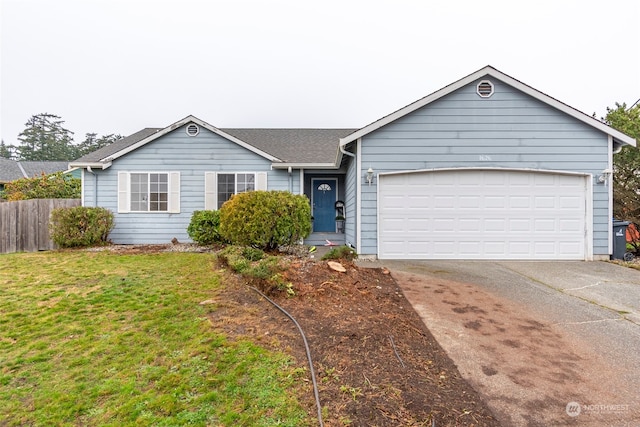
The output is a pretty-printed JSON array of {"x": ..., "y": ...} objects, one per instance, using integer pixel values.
[
  {"x": 124, "y": 192},
  {"x": 211, "y": 185}
]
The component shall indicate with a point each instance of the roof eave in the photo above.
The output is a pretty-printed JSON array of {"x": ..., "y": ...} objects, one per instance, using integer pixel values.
[
  {"x": 90, "y": 165},
  {"x": 294, "y": 165}
]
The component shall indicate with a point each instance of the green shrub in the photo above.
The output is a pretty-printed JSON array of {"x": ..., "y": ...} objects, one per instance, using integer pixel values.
[
  {"x": 341, "y": 252},
  {"x": 204, "y": 227},
  {"x": 265, "y": 219},
  {"x": 263, "y": 272},
  {"x": 53, "y": 186},
  {"x": 80, "y": 226},
  {"x": 252, "y": 254}
]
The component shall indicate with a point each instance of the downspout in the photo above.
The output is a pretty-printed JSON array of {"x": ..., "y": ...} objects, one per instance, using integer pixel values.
[
  {"x": 289, "y": 170},
  {"x": 95, "y": 186},
  {"x": 357, "y": 224},
  {"x": 343, "y": 151}
]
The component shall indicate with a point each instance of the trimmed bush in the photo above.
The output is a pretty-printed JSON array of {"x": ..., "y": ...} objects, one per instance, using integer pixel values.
[
  {"x": 204, "y": 227},
  {"x": 80, "y": 226},
  {"x": 265, "y": 219}
]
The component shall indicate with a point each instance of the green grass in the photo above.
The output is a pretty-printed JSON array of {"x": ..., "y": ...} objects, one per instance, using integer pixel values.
[{"x": 95, "y": 338}]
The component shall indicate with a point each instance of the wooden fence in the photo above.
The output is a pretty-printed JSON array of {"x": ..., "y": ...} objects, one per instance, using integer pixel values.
[{"x": 24, "y": 225}]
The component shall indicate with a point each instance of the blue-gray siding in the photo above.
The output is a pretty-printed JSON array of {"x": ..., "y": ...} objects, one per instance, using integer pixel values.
[
  {"x": 350, "y": 203},
  {"x": 192, "y": 157},
  {"x": 510, "y": 130}
]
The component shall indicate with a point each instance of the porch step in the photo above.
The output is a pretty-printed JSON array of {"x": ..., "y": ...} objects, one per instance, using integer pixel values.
[{"x": 320, "y": 239}]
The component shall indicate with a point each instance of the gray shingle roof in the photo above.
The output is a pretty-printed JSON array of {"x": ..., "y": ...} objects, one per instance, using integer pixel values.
[
  {"x": 288, "y": 145},
  {"x": 294, "y": 145},
  {"x": 35, "y": 168},
  {"x": 11, "y": 170},
  {"x": 114, "y": 147}
]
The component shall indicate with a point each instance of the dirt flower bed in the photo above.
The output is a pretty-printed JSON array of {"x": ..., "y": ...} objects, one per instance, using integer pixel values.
[{"x": 376, "y": 363}]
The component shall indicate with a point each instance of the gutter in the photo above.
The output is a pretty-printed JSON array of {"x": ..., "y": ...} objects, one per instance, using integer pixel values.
[
  {"x": 94, "y": 165},
  {"x": 304, "y": 166}
]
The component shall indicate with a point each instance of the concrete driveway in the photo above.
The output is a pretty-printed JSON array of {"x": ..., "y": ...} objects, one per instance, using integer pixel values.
[{"x": 544, "y": 343}]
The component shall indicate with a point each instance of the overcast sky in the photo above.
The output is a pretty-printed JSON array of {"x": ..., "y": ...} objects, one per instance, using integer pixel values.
[{"x": 118, "y": 66}]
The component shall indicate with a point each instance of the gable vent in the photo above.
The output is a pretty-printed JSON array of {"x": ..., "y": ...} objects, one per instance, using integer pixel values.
[
  {"x": 193, "y": 129},
  {"x": 485, "y": 89}
]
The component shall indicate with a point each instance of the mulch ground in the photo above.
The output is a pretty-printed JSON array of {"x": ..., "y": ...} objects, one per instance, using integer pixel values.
[{"x": 376, "y": 363}]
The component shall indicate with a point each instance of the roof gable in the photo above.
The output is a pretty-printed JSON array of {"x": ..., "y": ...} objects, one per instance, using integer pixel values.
[
  {"x": 618, "y": 137},
  {"x": 103, "y": 157}
]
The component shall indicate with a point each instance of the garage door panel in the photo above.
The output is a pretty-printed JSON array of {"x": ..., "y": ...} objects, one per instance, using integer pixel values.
[
  {"x": 391, "y": 225},
  {"x": 569, "y": 226},
  {"x": 545, "y": 225},
  {"x": 470, "y": 202},
  {"x": 470, "y": 225},
  {"x": 495, "y": 202},
  {"x": 570, "y": 202},
  {"x": 520, "y": 202},
  {"x": 545, "y": 202},
  {"x": 418, "y": 225},
  {"x": 497, "y": 225},
  {"x": 520, "y": 226},
  {"x": 417, "y": 202},
  {"x": 444, "y": 202},
  {"x": 495, "y": 248},
  {"x": 482, "y": 214},
  {"x": 442, "y": 225}
]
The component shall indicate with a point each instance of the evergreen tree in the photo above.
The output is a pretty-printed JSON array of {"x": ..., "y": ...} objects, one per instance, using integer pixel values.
[
  {"x": 7, "y": 151},
  {"x": 45, "y": 138},
  {"x": 92, "y": 142}
]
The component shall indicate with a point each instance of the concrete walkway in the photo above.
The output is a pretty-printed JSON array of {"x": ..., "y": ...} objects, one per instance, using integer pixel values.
[{"x": 544, "y": 343}]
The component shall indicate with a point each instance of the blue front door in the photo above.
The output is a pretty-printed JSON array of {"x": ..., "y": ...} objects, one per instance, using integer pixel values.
[{"x": 324, "y": 199}]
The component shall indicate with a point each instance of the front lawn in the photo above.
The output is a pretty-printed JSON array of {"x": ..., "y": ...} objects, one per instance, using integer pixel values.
[{"x": 96, "y": 338}]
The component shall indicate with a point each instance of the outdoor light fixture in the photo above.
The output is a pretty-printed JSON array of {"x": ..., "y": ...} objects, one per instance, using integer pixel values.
[
  {"x": 603, "y": 177},
  {"x": 370, "y": 175}
]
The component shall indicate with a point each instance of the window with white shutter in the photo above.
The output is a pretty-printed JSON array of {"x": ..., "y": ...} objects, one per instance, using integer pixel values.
[{"x": 149, "y": 192}]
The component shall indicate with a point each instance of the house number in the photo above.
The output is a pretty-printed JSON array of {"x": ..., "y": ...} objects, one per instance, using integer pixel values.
[{"x": 484, "y": 158}]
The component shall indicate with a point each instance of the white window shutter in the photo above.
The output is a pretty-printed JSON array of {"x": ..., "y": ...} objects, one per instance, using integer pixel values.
[
  {"x": 174, "y": 192},
  {"x": 123, "y": 192},
  {"x": 261, "y": 181},
  {"x": 210, "y": 194}
]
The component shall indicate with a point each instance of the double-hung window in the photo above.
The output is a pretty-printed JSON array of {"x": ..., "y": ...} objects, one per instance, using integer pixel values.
[
  {"x": 234, "y": 183},
  {"x": 220, "y": 186},
  {"x": 149, "y": 192}
]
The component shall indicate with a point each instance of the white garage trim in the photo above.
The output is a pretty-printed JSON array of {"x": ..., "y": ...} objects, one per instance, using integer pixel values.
[{"x": 485, "y": 213}]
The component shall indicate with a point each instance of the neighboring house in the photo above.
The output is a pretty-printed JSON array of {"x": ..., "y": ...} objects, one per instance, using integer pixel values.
[
  {"x": 11, "y": 170},
  {"x": 485, "y": 168}
]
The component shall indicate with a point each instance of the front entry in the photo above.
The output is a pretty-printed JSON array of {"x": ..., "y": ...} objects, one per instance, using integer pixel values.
[{"x": 323, "y": 199}]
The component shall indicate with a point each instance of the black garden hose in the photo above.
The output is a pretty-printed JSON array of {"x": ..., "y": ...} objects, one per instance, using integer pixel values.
[{"x": 306, "y": 347}]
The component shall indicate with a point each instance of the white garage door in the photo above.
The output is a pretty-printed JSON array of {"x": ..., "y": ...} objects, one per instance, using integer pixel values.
[{"x": 482, "y": 214}]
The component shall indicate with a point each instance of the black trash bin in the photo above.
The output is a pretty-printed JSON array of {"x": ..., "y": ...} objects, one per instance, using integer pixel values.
[{"x": 620, "y": 239}]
